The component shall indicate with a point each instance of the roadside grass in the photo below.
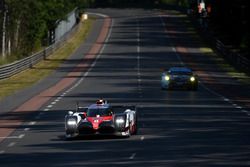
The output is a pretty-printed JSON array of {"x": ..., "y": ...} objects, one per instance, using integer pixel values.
[
  {"x": 231, "y": 71},
  {"x": 46, "y": 67}
]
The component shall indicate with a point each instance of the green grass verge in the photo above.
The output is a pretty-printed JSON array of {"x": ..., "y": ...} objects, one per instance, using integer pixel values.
[{"x": 44, "y": 68}]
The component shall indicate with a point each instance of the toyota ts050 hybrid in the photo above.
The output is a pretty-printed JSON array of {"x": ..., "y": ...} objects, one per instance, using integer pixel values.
[
  {"x": 101, "y": 118},
  {"x": 179, "y": 77}
]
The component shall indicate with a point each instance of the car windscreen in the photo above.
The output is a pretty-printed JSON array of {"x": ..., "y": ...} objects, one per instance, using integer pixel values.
[
  {"x": 180, "y": 73},
  {"x": 99, "y": 111}
]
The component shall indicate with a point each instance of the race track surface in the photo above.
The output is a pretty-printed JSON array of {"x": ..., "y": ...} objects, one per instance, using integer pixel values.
[{"x": 176, "y": 128}]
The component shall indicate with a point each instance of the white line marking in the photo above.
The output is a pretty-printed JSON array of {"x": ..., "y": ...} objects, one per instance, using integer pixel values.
[
  {"x": 32, "y": 123},
  {"x": 13, "y": 137},
  {"x": 98, "y": 14},
  {"x": 21, "y": 136},
  {"x": 211, "y": 91},
  {"x": 2, "y": 151},
  {"x": 11, "y": 144},
  {"x": 46, "y": 109},
  {"x": 173, "y": 47},
  {"x": 244, "y": 111},
  {"x": 226, "y": 99},
  {"x": 132, "y": 156},
  {"x": 142, "y": 138},
  {"x": 26, "y": 129},
  {"x": 239, "y": 107},
  {"x": 50, "y": 106},
  {"x": 57, "y": 100},
  {"x": 54, "y": 102},
  {"x": 98, "y": 56},
  {"x": 9, "y": 137},
  {"x": 138, "y": 57}
]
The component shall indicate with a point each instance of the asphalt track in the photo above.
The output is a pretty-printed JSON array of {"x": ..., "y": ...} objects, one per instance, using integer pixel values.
[{"x": 176, "y": 128}]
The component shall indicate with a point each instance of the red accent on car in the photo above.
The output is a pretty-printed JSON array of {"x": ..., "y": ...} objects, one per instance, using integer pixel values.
[{"x": 96, "y": 121}]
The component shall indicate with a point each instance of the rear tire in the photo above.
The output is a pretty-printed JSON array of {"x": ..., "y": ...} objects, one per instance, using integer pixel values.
[
  {"x": 129, "y": 133},
  {"x": 135, "y": 127}
]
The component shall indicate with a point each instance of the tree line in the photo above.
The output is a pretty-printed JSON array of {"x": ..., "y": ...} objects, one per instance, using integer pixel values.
[
  {"x": 231, "y": 20},
  {"x": 25, "y": 24}
]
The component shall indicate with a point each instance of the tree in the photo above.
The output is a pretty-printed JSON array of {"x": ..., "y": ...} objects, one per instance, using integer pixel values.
[{"x": 26, "y": 23}]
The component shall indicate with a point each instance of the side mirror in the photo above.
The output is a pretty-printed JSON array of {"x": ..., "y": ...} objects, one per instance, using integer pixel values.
[{"x": 70, "y": 112}]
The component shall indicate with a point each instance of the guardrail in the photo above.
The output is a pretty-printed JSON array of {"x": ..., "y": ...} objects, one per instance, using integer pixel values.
[
  {"x": 235, "y": 59},
  {"x": 9, "y": 70}
]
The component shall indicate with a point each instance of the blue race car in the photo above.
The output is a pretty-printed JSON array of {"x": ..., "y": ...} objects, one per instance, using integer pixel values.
[{"x": 179, "y": 77}]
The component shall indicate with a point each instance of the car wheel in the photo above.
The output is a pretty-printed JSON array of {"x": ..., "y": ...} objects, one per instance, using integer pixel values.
[
  {"x": 129, "y": 131},
  {"x": 135, "y": 130}
]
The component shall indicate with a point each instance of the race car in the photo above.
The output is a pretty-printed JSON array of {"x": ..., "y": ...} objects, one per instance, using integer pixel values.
[
  {"x": 179, "y": 77},
  {"x": 101, "y": 118}
]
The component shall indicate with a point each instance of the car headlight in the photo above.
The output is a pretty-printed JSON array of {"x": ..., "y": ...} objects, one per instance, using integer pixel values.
[
  {"x": 71, "y": 122},
  {"x": 167, "y": 78},
  {"x": 120, "y": 120},
  {"x": 192, "y": 79}
]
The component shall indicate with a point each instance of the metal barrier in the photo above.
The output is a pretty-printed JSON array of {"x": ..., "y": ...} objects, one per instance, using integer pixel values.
[
  {"x": 235, "y": 59},
  {"x": 239, "y": 61},
  {"x": 9, "y": 70}
]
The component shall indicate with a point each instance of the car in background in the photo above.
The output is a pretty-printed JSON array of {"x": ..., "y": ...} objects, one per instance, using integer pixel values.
[
  {"x": 179, "y": 77},
  {"x": 101, "y": 118}
]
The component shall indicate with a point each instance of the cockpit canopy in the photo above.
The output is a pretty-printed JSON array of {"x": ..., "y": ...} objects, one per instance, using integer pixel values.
[
  {"x": 180, "y": 71},
  {"x": 101, "y": 112}
]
